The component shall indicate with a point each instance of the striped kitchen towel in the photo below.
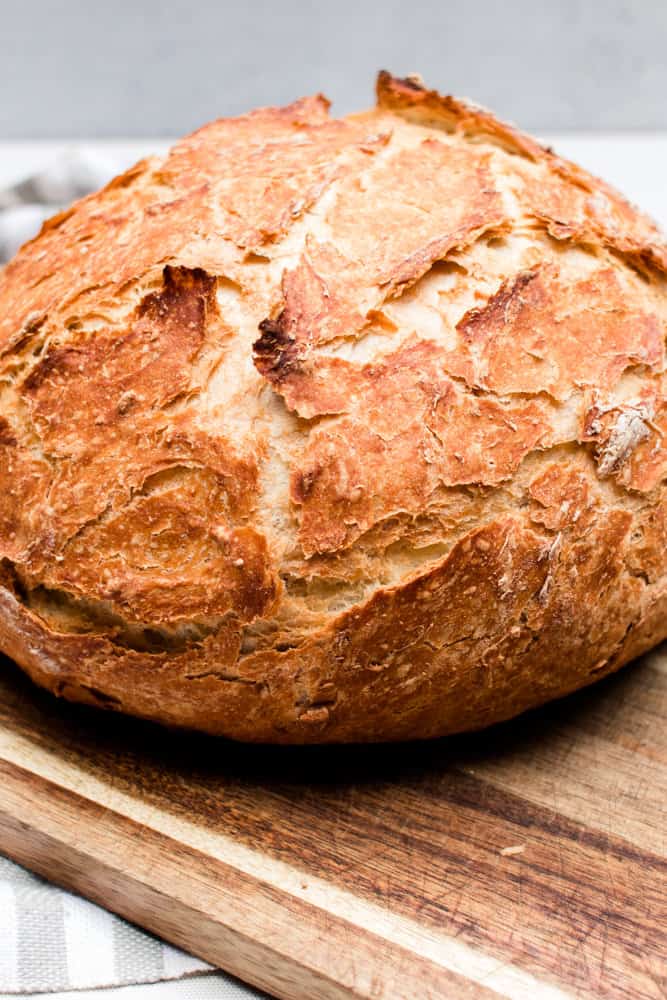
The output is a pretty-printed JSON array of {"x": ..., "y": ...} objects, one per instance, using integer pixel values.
[
  {"x": 52, "y": 940},
  {"x": 26, "y": 204}
]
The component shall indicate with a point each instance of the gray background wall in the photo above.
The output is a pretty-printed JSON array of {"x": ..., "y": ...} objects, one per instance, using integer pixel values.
[{"x": 146, "y": 68}]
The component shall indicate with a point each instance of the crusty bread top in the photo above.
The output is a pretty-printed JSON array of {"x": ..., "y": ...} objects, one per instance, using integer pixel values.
[{"x": 298, "y": 358}]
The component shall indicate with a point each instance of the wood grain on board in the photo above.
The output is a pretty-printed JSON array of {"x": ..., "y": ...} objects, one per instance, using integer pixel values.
[{"x": 524, "y": 861}]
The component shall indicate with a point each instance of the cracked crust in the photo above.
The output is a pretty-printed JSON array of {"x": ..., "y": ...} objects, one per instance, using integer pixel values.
[{"x": 335, "y": 429}]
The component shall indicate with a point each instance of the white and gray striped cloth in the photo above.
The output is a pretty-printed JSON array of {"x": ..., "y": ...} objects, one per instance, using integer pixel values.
[
  {"x": 52, "y": 942},
  {"x": 26, "y": 204}
]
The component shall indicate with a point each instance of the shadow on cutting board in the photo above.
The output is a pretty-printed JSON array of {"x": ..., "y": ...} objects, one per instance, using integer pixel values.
[
  {"x": 109, "y": 741},
  {"x": 539, "y": 839}
]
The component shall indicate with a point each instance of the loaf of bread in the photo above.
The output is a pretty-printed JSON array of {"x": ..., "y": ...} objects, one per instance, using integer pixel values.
[{"x": 326, "y": 429}]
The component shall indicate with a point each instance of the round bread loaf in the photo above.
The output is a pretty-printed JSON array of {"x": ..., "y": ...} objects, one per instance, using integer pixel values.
[{"x": 335, "y": 429}]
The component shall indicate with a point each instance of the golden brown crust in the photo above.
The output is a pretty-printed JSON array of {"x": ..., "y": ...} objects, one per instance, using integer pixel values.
[
  {"x": 331, "y": 429},
  {"x": 571, "y": 203},
  {"x": 431, "y": 198},
  {"x": 539, "y": 333},
  {"x": 406, "y": 413}
]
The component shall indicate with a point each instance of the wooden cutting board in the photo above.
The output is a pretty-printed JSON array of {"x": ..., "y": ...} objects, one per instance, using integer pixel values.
[{"x": 527, "y": 861}]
